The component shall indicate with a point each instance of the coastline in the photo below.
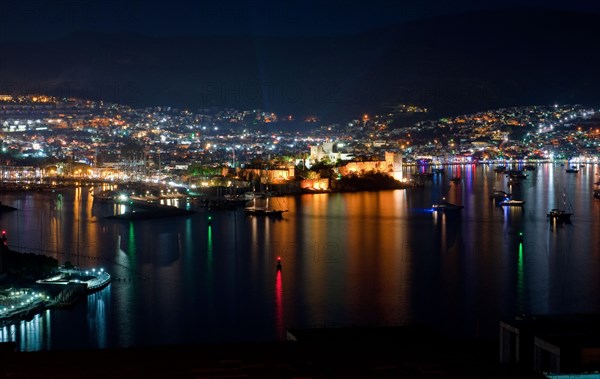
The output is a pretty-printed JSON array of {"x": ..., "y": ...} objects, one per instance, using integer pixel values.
[
  {"x": 24, "y": 314},
  {"x": 22, "y": 299}
]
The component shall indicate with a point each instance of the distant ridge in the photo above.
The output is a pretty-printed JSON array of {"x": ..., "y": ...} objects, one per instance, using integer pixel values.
[{"x": 452, "y": 65}]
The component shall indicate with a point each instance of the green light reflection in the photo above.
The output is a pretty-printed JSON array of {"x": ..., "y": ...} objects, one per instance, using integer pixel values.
[
  {"x": 520, "y": 280},
  {"x": 131, "y": 242},
  {"x": 209, "y": 244}
]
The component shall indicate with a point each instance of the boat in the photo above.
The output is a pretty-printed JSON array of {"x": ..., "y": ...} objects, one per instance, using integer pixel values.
[
  {"x": 517, "y": 174},
  {"x": 597, "y": 194},
  {"x": 500, "y": 195},
  {"x": 456, "y": 179},
  {"x": 572, "y": 169},
  {"x": 107, "y": 196},
  {"x": 424, "y": 174},
  {"x": 500, "y": 168},
  {"x": 446, "y": 206},
  {"x": 564, "y": 211},
  {"x": 251, "y": 195},
  {"x": 559, "y": 215},
  {"x": 529, "y": 167},
  {"x": 258, "y": 211},
  {"x": 261, "y": 207},
  {"x": 512, "y": 203}
]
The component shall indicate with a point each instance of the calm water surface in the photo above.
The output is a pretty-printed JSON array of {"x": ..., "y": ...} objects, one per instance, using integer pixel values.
[{"x": 370, "y": 258}]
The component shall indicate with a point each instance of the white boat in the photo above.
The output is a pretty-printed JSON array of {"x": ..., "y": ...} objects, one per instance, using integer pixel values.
[
  {"x": 512, "y": 203},
  {"x": 251, "y": 195}
]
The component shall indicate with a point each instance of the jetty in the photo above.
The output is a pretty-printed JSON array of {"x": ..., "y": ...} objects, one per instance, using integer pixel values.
[{"x": 68, "y": 285}]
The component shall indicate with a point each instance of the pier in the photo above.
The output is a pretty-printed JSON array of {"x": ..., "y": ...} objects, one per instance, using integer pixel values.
[{"x": 92, "y": 279}]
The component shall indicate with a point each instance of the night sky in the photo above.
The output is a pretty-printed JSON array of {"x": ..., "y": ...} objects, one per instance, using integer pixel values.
[
  {"x": 333, "y": 59},
  {"x": 39, "y": 20}
]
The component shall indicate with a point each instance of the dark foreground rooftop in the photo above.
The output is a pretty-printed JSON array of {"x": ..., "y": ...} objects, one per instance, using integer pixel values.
[{"x": 317, "y": 353}]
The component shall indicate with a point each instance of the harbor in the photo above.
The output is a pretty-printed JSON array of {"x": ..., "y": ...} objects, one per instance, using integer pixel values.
[{"x": 212, "y": 276}]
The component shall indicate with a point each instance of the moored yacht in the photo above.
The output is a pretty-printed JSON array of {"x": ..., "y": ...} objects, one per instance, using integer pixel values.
[
  {"x": 512, "y": 203},
  {"x": 261, "y": 207},
  {"x": 564, "y": 211},
  {"x": 446, "y": 206},
  {"x": 559, "y": 214},
  {"x": 500, "y": 195}
]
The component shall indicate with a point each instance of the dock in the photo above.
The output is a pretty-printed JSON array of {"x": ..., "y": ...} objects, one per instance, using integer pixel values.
[{"x": 92, "y": 279}]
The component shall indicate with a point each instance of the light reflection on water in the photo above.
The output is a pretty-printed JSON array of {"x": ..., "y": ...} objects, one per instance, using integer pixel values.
[
  {"x": 369, "y": 258},
  {"x": 30, "y": 335}
]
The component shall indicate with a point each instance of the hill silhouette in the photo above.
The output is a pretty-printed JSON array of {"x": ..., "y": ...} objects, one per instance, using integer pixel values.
[{"x": 451, "y": 65}]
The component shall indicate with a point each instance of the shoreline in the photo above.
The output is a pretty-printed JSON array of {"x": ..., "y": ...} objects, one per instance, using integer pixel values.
[{"x": 57, "y": 291}]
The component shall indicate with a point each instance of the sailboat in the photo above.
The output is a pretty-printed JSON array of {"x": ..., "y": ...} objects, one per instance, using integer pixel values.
[
  {"x": 260, "y": 205},
  {"x": 564, "y": 211}
]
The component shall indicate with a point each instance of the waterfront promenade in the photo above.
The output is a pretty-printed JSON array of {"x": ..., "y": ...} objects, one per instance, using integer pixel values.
[{"x": 22, "y": 302}]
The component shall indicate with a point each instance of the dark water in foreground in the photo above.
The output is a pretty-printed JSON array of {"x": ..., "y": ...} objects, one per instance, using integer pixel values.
[{"x": 371, "y": 258}]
